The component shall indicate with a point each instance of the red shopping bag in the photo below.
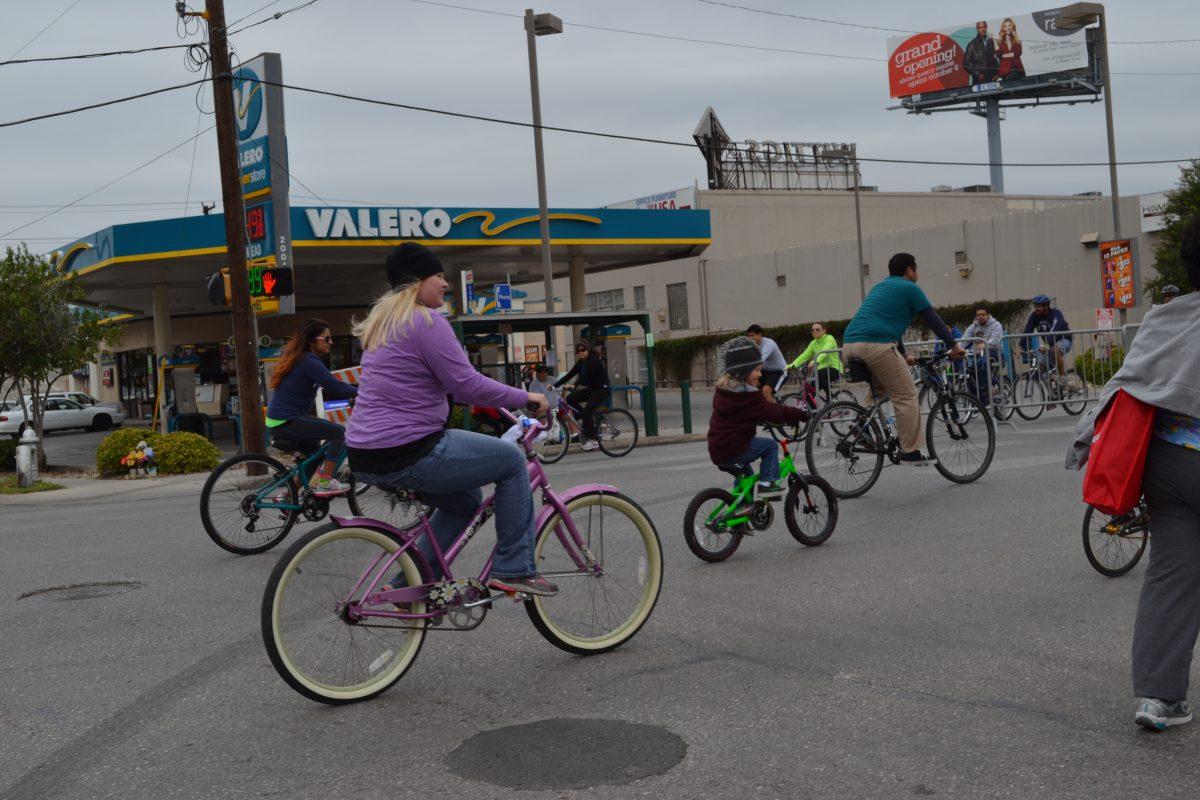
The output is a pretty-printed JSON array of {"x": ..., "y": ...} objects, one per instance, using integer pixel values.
[{"x": 1113, "y": 482}]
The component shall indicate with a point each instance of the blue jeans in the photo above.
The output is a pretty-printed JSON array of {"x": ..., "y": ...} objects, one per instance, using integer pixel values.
[
  {"x": 766, "y": 449},
  {"x": 449, "y": 479}
]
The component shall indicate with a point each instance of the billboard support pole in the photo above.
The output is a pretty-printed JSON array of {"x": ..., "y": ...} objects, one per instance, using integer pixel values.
[
  {"x": 541, "y": 25},
  {"x": 1112, "y": 146},
  {"x": 995, "y": 155},
  {"x": 862, "y": 280}
]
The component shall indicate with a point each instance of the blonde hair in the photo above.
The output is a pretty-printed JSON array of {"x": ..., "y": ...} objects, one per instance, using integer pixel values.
[
  {"x": 392, "y": 311},
  {"x": 1012, "y": 27}
]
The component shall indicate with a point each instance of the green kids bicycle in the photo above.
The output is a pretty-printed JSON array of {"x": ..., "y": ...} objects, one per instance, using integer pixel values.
[{"x": 716, "y": 520}]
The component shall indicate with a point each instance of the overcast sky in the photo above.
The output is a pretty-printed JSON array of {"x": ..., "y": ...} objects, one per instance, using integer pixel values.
[{"x": 474, "y": 62}]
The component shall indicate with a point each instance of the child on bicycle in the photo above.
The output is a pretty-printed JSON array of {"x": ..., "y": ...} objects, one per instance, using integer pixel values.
[{"x": 738, "y": 409}]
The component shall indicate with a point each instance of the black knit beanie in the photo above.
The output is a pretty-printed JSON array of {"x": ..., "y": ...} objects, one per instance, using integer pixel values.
[
  {"x": 740, "y": 356},
  {"x": 410, "y": 263}
]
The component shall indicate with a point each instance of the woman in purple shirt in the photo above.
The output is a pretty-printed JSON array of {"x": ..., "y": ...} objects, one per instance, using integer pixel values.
[{"x": 411, "y": 361}]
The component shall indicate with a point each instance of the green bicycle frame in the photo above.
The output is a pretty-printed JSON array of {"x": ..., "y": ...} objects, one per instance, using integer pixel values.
[{"x": 743, "y": 492}]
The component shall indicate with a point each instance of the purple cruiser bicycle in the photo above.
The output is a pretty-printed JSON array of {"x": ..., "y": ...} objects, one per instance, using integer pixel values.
[{"x": 341, "y": 625}]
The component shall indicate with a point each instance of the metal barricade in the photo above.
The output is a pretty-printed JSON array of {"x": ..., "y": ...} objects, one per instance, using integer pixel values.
[{"x": 1058, "y": 369}]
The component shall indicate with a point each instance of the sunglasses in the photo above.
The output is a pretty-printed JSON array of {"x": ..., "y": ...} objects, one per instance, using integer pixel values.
[{"x": 325, "y": 339}]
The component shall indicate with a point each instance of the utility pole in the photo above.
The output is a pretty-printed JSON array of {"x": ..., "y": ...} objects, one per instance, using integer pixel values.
[
  {"x": 244, "y": 323},
  {"x": 540, "y": 25}
]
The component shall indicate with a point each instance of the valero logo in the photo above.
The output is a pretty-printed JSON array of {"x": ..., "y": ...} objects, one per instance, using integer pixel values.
[{"x": 247, "y": 102}]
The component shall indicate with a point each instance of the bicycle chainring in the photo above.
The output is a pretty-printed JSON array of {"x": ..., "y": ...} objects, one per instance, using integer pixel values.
[
  {"x": 450, "y": 597},
  {"x": 314, "y": 508},
  {"x": 761, "y": 515}
]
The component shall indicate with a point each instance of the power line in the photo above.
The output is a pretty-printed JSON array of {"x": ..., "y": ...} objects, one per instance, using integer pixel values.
[
  {"x": 276, "y": 16},
  {"x": 717, "y": 43},
  {"x": 49, "y": 25},
  {"x": 673, "y": 143},
  {"x": 138, "y": 168},
  {"x": 842, "y": 23},
  {"x": 101, "y": 104},
  {"x": 252, "y": 13}
]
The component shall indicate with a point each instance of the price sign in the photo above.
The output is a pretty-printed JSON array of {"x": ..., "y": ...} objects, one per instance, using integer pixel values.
[{"x": 256, "y": 223}]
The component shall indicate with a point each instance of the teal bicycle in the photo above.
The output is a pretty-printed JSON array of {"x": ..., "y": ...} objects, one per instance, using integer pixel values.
[
  {"x": 251, "y": 501},
  {"x": 717, "y": 520}
]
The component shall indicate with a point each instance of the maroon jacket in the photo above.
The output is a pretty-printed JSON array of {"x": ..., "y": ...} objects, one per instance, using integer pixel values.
[{"x": 736, "y": 417}]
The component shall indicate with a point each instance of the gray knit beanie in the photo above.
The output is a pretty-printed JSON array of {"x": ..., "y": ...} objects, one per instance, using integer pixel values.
[{"x": 740, "y": 356}]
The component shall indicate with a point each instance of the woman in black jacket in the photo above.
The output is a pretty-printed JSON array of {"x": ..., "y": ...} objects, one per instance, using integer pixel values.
[{"x": 591, "y": 389}]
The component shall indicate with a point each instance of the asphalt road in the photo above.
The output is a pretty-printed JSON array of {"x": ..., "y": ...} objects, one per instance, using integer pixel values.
[{"x": 947, "y": 640}]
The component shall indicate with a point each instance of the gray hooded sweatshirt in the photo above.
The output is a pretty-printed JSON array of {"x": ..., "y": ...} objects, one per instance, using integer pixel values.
[{"x": 1162, "y": 368}]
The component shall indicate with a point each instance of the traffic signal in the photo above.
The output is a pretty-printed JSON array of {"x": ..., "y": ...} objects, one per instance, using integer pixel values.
[
  {"x": 275, "y": 282},
  {"x": 218, "y": 288}
]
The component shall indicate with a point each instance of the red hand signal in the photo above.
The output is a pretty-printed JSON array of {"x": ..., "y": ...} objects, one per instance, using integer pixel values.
[{"x": 268, "y": 280}]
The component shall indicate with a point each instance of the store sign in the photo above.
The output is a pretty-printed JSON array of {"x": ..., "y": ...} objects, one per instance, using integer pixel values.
[
  {"x": 262, "y": 159},
  {"x": 672, "y": 200},
  {"x": 1105, "y": 319},
  {"x": 1154, "y": 211},
  {"x": 984, "y": 54},
  {"x": 503, "y": 296},
  {"x": 1119, "y": 273}
]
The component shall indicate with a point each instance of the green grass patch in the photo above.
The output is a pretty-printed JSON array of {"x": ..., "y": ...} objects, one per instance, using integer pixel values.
[{"x": 9, "y": 486}]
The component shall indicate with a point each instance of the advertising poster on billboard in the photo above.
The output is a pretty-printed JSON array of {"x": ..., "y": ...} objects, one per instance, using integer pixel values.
[
  {"x": 1154, "y": 211},
  {"x": 1118, "y": 273},
  {"x": 674, "y": 199},
  {"x": 984, "y": 53}
]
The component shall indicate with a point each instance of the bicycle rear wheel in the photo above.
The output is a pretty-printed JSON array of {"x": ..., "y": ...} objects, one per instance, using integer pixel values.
[
  {"x": 811, "y": 513},
  {"x": 844, "y": 449},
  {"x": 961, "y": 437},
  {"x": 231, "y": 504},
  {"x": 605, "y": 594},
  {"x": 313, "y": 642},
  {"x": 616, "y": 431},
  {"x": 1027, "y": 392},
  {"x": 1114, "y": 545},
  {"x": 384, "y": 505},
  {"x": 704, "y": 528}
]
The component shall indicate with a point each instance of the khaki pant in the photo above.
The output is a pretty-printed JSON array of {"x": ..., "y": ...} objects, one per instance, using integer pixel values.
[{"x": 891, "y": 372}]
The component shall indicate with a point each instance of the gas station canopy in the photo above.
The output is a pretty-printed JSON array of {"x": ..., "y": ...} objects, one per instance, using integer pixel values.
[{"x": 339, "y": 251}]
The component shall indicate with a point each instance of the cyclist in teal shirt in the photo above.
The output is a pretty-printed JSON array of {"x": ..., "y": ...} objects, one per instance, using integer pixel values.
[{"x": 874, "y": 335}]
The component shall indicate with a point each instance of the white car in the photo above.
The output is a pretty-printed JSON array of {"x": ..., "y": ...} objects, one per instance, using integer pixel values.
[
  {"x": 60, "y": 414},
  {"x": 83, "y": 398}
]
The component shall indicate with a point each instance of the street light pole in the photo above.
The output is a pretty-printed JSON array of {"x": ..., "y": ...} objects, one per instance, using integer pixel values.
[
  {"x": 541, "y": 25},
  {"x": 862, "y": 280}
]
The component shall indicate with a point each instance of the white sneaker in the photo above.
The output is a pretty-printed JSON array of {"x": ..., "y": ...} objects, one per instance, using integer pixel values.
[
  {"x": 590, "y": 444},
  {"x": 334, "y": 487},
  {"x": 1159, "y": 715}
]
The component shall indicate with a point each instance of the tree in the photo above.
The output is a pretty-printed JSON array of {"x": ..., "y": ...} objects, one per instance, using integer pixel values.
[
  {"x": 44, "y": 332},
  {"x": 1183, "y": 205}
]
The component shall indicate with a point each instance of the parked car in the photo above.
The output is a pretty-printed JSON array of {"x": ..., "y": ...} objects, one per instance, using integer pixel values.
[
  {"x": 60, "y": 414},
  {"x": 83, "y": 398}
]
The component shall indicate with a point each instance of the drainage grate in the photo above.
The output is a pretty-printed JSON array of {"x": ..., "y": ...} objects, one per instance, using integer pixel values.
[
  {"x": 83, "y": 591},
  {"x": 567, "y": 754}
]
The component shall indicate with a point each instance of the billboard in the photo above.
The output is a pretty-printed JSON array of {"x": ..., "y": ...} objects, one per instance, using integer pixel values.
[
  {"x": 1119, "y": 273},
  {"x": 674, "y": 199},
  {"x": 985, "y": 53},
  {"x": 1154, "y": 211}
]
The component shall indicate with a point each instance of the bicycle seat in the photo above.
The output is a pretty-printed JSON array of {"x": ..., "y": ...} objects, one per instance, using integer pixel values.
[
  {"x": 285, "y": 444},
  {"x": 736, "y": 470},
  {"x": 857, "y": 371}
]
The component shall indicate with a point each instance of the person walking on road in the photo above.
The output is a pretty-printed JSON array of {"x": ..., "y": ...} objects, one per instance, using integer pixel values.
[
  {"x": 874, "y": 336},
  {"x": 774, "y": 365},
  {"x": 1162, "y": 369},
  {"x": 821, "y": 352}
]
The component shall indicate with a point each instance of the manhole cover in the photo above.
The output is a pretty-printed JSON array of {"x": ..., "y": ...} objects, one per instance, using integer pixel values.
[
  {"x": 83, "y": 591},
  {"x": 567, "y": 754}
]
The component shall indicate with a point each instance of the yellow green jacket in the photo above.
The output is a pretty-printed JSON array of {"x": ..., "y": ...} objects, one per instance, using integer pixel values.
[{"x": 831, "y": 360}]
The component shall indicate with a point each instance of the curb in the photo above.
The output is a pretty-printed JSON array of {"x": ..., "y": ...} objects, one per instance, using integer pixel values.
[{"x": 90, "y": 490}]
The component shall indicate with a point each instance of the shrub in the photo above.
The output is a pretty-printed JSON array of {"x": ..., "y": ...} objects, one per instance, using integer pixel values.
[
  {"x": 8, "y": 454},
  {"x": 182, "y": 452},
  {"x": 117, "y": 444},
  {"x": 1095, "y": 368}
]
